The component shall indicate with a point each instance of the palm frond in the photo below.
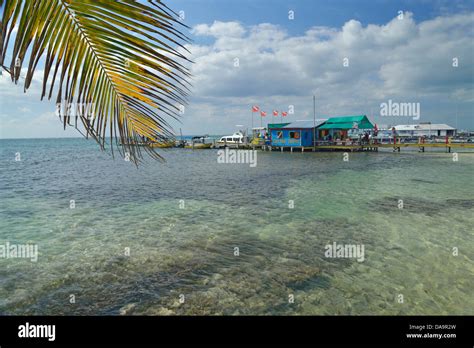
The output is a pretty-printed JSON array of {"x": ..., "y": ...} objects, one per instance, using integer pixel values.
[{"x": 121, "y": 58}]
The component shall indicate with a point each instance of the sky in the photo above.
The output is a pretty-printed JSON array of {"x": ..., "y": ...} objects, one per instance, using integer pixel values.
[{"x": 352, "y": 55}]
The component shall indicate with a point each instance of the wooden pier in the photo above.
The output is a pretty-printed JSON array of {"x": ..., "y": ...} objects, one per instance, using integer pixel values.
[{"x": 369, "y": 147}]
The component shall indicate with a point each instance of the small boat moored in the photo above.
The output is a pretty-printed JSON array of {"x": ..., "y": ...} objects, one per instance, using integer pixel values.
[
  {"x": 236, "y": 140},
  {"x": 199, "y": 142},
  {"x": 165, "y": 145}
]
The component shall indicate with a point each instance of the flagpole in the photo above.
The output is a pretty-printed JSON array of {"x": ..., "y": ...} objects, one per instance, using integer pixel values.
[
  {"x": 251, "y": 110},
  {"x": 314, "y": 123}
]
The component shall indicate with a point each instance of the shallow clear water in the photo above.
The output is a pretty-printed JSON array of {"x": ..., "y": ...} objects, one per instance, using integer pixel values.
[{"x": 190, "y": 250}]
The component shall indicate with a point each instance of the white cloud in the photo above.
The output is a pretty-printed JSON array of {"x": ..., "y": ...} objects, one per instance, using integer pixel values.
[
  {"x": 24, "y": 109},
  {"x": 220, "y": 29},
  {"x": 401, "y": 60}
]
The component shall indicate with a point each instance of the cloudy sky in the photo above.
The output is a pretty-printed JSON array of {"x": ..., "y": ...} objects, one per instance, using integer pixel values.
[{"x": 352, "y": 55}]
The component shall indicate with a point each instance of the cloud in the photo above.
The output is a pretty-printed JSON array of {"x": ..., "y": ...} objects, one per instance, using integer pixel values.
[
  {"x": 24, "y": 109},
  {"x": 24, "y": 115},
  {"x": 401, "y": 60},
  {"x": 236, "y": 66},
  {"x": 220, "y": 29},
  {"x": 397, "y": 58}
]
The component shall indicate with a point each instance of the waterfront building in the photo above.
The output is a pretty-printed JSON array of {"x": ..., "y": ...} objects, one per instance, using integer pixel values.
[
  {"x": 339, "y": 127},
  {"x": 294, "y": 134},
  {"x": 425, "y": 130}
]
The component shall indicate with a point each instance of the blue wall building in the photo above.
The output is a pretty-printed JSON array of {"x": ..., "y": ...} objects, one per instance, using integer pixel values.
[{"x": 296, "y": 134}]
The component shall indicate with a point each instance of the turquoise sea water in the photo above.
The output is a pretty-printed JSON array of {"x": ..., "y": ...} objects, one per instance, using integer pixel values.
[{"x": 183, "y": 219}]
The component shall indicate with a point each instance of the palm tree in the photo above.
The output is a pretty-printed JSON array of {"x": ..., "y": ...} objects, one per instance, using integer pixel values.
[{"x": 123, "y": 59}]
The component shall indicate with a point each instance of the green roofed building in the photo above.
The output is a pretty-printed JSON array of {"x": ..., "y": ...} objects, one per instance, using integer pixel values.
[
  {"x": 347, "y": 122},
  {"x": 343, "y": 127}
]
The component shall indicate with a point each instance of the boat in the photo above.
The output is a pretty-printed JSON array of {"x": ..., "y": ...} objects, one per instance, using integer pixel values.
[
  {"x": 165, "y": 145},
  {"x": 236, "y": 140},
  {"x": 181, "y": 142},
  {"x": 199, "y": 142}
]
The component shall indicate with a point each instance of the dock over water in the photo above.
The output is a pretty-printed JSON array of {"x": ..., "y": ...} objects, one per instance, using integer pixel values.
[{"x": 368, "y": 147}]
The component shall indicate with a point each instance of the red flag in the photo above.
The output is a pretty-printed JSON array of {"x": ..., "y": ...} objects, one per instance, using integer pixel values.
[
  {"x": 263, "y": 113},
  {"x": 275, "y": 112},
  {"x": 255, "y": 108},
  {"x": 284, "y": 113}
]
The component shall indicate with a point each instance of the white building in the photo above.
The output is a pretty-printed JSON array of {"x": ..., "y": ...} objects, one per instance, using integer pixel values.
[{"x": 425, "y": 129}]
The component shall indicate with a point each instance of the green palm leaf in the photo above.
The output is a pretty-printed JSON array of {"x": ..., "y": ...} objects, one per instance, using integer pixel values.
[{"x": 120, "y": 58}]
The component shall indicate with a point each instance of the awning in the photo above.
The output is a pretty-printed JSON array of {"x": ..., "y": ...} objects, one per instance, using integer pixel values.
[{"x": 277, "y": 125}]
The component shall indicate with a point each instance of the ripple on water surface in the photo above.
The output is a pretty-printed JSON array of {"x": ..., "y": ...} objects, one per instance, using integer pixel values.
[{"x": 191, "y": 251}]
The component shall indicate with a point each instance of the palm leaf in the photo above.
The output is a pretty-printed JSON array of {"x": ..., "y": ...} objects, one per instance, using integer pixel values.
[{"x": 121, "y": 58}]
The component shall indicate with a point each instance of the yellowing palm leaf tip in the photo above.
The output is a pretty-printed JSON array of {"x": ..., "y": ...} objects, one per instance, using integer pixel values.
[{"x": 121, "y": 59}]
